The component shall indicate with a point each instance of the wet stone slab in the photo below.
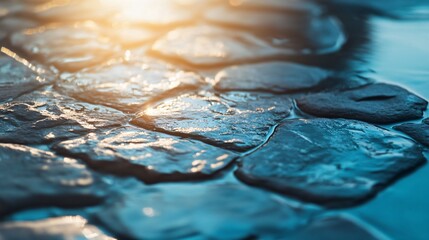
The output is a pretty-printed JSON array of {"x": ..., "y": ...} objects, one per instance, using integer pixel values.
[
  {"x": 17, "y": 78},
  {"x": 69, "y": 47},
  {"x": 419, "y": 132},
  {"x": 376, "y": 103},
  {"x": 232, "y": 120},
  {"x": 127, "y": 86},
  {"x": 35, "y": 178},
  {"x": 278, "y": 77},
  {"x": 45, "y": 116},
  {"x": 334, "y": 227},
  {"x": 334, "y": 163},
  {"x": 60, "y": 228},
  {"x": 181, "y": 211},
  {"x": 150, "y": 156}
]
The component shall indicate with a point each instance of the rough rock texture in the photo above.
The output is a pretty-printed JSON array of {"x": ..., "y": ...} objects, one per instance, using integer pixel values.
[
  {"x": 232, "y": 120},
  {"x": 376, "y": 103},
  {"x": 18, "y": 76},
  {"x": 180, "y": 211},
  {"x": 61, "y": 228},
  {"x": 68, "y": 48},
  {"x": 334, "y": 227},
  {"x": 34, "y": 178},
  {"x": 150, "y": 156},
  {"x": 127, "y": 86},
  {"x": 270, "y": 76},
  {"x": 330, "y": 162},
  {"x": 45, "y": 116},
  {"x": 419, "y": 132}
]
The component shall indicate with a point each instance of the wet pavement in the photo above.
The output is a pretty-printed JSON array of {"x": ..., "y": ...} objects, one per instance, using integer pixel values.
[{"x": 192, "y": 119}]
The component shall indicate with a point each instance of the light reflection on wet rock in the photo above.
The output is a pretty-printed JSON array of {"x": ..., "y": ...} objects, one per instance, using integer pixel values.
[
  {"x": 334, "y": 227},
  {"x": 35, "y": 178},
  {"x": 45, "y": 116},
  {"x": 127, "y": 86},
  {"x": 210, "y": 212},
  {"x": 232, "y": 120},
  {"x": 419, "y": 132},
  {"x": 150, "y": 156},
  {"x": 331, "y": 162},
  {"x": 68, "y": 48},
  {"x": 61, "y": 228},
  {"x": 17, "y": 77},
  {"x": 205, "y": 46},
  {"x": 271, "y": 76},
  {"x": 376, "y": 103}
]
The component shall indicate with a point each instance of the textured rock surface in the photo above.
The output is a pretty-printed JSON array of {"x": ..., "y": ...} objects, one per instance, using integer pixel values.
[
  {"x": 34, "y": 178},
  {"x": 68, "y": 48},
  {"x": 180, "y": 211},
  {"x": 232, "y": 120},
  {"x": 17, "y": 77},
  {"x": 44, "y": 116},
  {"x": 334, "y": 227},
  {"x": 127, "y": 85},
  {"x": 330, "y": 162},
  {"x": 61, "y": 228},
  {"x": 150, "y": 156},
  {"x": 376, "y": 103},
  {"x": 270, "y": 76},
  {"x": 419, "y": 132}
]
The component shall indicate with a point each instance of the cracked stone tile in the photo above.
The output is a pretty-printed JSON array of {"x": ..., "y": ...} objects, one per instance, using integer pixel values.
[
  {"x": 127, "y": 86},
  {"x": 278, "y": 77},
  {"x": 45, "y": 116},
  {"x": 34, "y": 178},
  {"x": 233, "y": 120},
  {"x": 375, "y": 103},
  {"x": 207, "y": 46},
  {"x": 18, "y": 76},
  {"x": 60, "y": 228},
  {"x": 418, "y": 131},
  {"x": 211, "y": 212},
  {"x": 335, "y": 163},
  {"x": 150, "y": 156},
  {"x": 334, "y": 227},
  {"x": 68, "y": 48}
]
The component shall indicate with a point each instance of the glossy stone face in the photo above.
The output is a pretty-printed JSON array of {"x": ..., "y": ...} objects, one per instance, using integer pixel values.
[
  {"x": 36, "y": 178},
  {"x": 420, "y": 132},
  {"x": 271, "y": 77},
  {"x": 61, "y": 228},
  {"x": 377, "y": 103},
  {"x": 44, "y": 116},
  {"x": 127, "y": 86},
  {"x": 181, "y": 211},
  {"x": 17, "y": 78},
  {"x": 330, "y": 162},
  {"x": 233, "y": 120},
  {"x": 150, "y": 156}
]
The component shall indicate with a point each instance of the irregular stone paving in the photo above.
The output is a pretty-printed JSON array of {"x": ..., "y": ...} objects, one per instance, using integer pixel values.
[
  {"x": 61, "y": 228},
  {"x": 218, "y": 119},
  {"x": 281, "y": 77},
  {"x": 137, "y": 113},
  {"x": 377, "y": 103},
  {"x": 68, "y": 48},
  {"x": 330, "y": 162},
  {"x": 180, "y": 211},
  {"x": 36, "y": 178},
  {"x": 127, "y": 86},
  {"x": 17, "y": 78},
  {"x": 45, "y": 116},
  {"x": 419, "y": 132},
  {"x": 150, "y": 156}
]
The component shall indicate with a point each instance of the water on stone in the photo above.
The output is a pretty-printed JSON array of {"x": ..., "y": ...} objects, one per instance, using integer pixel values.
[{"x": 214, "y": 119}]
